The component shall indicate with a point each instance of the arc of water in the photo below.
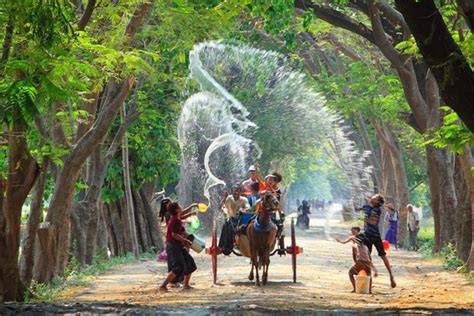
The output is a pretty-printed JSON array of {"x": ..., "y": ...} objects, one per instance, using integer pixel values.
[
  {"x": 219, "y": 142},
  {"x": 207, "y": 82},
  {"x": 236, "y": 122}
]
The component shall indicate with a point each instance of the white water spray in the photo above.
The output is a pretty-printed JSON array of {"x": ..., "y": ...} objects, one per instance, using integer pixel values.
[{"x": 238, "y": 85}]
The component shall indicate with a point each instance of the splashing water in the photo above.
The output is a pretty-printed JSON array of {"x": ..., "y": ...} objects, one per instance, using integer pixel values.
[
  {"x": 219, "y": 136},
  {"x": 331, "y": 212}
]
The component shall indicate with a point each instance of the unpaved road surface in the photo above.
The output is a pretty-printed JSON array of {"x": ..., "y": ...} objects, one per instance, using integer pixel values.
[
  {"x": 322, "y": 284},
  {"x": 322, "y": 287}
]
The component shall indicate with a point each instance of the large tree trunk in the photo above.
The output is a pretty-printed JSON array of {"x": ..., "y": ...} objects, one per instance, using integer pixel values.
[
  {"x": 374, "y": 159},
  {"x": 152, "y": 221},
  {"x": 467, "y": 162},
  {"x": 117, "y": 236},
  {"x": 60, "y": 207},
  {"x": 448, "y": 196},
  {"x": 142, "y": 222},
  {"x": 435, "y": 190},
  {"x": 129, "y": 206},
  {"x": 395, "y": 178},
  {"x": 61, "y": 202},
  {"x": 86, "y": 213},
  {"x": 463, "y": 222},
  {"x": 36, "y": 209},
  {"x": 22, "y": 174},
  {"x": 449, "y": 66}
]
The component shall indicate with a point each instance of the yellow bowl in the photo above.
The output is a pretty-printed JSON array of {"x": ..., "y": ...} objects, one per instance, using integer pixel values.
[{"x": 202, "y": 207}]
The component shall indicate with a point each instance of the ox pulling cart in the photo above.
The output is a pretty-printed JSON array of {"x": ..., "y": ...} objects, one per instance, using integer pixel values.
[{"x": 243, "y": 247}]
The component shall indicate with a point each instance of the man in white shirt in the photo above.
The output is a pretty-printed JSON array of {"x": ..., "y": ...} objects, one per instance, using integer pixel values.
[
  {"x": 413, "y": 227},
  {"x": 234, "y": 204}
]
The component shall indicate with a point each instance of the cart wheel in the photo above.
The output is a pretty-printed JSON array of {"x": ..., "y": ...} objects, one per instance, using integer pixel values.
[
  {"x": 293, "y": 247},
  {"x": 214, "y": 253}
]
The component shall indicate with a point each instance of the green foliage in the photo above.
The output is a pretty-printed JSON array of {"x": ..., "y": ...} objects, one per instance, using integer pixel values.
[
  {"x": 426, "y": 240},
  {"x": 448, "y": 254},
  {"x": 453, "y": 134},
  {"x": 276, "y": 14},
  {"x": 20, "y": 95},
  {"x": 451, "y": 260},
  {"x": 170, "y": 34},
  {"x": 409, "y": 47}
]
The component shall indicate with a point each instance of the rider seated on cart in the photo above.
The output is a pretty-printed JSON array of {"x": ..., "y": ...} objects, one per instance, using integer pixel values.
[{"x": 234, "y": 205}]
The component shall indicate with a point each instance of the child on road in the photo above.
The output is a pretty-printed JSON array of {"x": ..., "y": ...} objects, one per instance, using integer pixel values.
[
  {"x": 180, "y": 262},
  {"x": 361, "y": 257}
]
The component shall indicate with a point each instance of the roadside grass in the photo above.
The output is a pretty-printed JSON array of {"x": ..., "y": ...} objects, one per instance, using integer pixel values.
[
  {"x": 77, "y": 277},
  {"x": 447, "y": 255}
]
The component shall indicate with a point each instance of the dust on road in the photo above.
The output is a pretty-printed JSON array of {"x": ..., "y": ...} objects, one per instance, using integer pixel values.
[{"x": 322, "y": 282}]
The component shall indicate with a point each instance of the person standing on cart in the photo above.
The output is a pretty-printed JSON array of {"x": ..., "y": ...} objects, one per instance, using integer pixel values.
[{"x": 234, "y": 204}]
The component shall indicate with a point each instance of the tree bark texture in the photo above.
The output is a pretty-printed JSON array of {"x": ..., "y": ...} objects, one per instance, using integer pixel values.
[
  {"x": 36, "y": 209},
  {"x": 423, "y": 101},
  {"x": 395, "y": 179},
  {"x": 374, "y": 159},
  {"x": 449, "y": 66},
  {"x": 463, "y": 216},
  {"x": 60, "y": 207},
  {"x": 129, "y": 210},
  {"x": 467, "y": 9},
  {"x": 22, "y": 173},
  {"x": 466, "y": 162}
]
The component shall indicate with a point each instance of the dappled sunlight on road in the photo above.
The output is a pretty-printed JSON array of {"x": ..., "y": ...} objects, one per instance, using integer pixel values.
[{"x": 322, "y": 281}]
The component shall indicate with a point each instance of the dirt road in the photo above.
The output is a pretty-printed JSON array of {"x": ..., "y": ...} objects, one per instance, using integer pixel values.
[{"x": 322, "y": 282}]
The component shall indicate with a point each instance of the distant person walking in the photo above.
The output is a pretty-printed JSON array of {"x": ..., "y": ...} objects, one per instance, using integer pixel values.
[
  {"x": 413, "y": 228},
  {"x": 302, "y": 220},
  {"x": 391, "y": 218}
]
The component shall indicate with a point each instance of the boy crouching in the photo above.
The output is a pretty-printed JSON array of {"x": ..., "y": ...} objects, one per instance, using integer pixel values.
[{"x": 361, "y": 257}]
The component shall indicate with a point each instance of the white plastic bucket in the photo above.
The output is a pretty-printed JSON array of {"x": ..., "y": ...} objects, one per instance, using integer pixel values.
[
  {"x": 362, "y": 284},
  {"x": 198, "y": 244}
]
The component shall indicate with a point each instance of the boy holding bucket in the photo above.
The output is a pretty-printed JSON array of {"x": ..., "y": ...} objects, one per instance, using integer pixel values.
[{"x": 363, "y": 265}]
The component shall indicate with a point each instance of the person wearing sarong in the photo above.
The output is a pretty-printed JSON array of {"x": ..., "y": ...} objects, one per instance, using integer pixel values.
[
  {"x": 180, "y": 262},
  {"x": 391, "y": 219}
]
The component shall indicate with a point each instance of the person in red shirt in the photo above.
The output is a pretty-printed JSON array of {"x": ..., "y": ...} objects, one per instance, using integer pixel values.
[
  {"x": 180, "y": 262},
  {"x": 253, "y": 177}
]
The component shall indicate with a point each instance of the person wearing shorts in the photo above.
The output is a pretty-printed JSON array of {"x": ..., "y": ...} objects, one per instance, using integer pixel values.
[
  {"x": 372, "y": 214},
  {"x": 360, "y": 255}
]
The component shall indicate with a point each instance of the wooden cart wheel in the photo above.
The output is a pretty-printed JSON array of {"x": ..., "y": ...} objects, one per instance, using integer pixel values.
[
  {"x": 214, "y": 253},
  {"x": 293, "y": 247}
]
